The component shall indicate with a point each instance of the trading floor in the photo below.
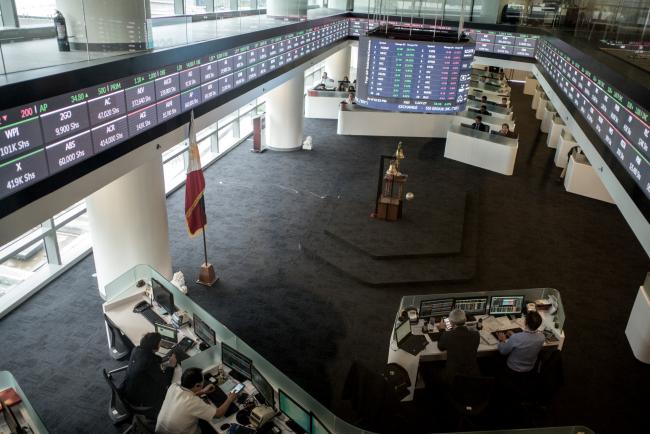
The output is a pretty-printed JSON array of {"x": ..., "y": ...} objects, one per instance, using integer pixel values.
[{"x": 311, "y": 322}]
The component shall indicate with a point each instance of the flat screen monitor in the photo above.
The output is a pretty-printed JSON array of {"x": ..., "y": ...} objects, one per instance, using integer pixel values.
[
  {"x": 317, "y": 426},
  {"x": 471, "y": 305},
  {"x": 436, "y": 308},
  {"x": 402, "y": 331},
  {"x": 163, "y": 297},
  {"x": 506, "y": 304},
  {"x": 236, "y": 360},
  {"x": 168, "y": 333},
  {"x": 263, "y": 386},
  {"x": 204, "y": 332},
  {"x": 294, "y": 411}
]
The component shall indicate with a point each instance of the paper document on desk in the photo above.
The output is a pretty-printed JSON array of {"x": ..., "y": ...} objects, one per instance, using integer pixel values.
[
  {"x": 488, "y": 338},
  {"x": 503, "y": 323},
  {"x": 490, "y": 324}
]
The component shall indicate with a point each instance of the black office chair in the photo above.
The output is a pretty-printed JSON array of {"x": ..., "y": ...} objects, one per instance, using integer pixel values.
[
  {"x": 141, "y": 425},
  {"x": 469, "y": 397},
  {"x": 119, "y": 410},
  {"x": 120, "y": 345}
]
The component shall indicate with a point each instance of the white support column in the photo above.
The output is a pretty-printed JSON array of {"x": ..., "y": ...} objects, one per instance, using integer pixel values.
[
  {"x": 338, "y": 64},
  {"x": 128, "y": 224},
  {"x": 284, "y": 115}
]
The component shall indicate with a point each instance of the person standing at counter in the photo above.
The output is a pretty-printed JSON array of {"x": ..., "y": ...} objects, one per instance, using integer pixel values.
[
  {"x": 522, "y": 348},
  {"x": 461, "y": 345},
  {"x": 478, "y": 124},
  {"x": 147, "y": 379},
  {"x": 505, "y": 131}
]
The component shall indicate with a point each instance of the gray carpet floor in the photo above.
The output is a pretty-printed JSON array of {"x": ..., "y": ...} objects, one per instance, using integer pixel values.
[{"x": 310, "y": 321}]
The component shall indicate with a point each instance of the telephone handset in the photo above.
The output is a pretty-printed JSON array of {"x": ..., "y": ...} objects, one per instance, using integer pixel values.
[{"x": 141, "y": 307}]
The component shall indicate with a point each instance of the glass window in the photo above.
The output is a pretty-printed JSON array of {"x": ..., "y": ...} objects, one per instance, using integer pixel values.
[
  {"x": 227, "y": 138},
  {"x": 174, "y": 171},
  {"x": 227, "y": 119},
  {"x": 21, "y": 266},
  {"x": 246, "y": 123},
  {"x": 67, "y": 213},
  {"x": 205, "y": 150},
  {"x": 244, "y": 5},
  {"x": 162, "y": 8},
  {"x": 35, "y": 13},
  {"x": 73, "y": 238},
  {"x": 195, "y": 7}
]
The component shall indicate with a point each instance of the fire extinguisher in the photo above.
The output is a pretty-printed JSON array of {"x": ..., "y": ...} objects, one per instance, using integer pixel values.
[{"x": 61, "y": 32}]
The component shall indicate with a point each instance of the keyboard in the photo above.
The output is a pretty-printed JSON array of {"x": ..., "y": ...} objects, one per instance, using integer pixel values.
[
  {"x": 167, "y": 344},
  {"x": 514, "y": 330},
  {"x": 218, "y": 397},
  {"x": 152, "y": 316}
]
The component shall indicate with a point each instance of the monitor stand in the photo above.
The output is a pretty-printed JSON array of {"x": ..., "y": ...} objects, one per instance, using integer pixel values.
[{"x": 295, "y": 427}]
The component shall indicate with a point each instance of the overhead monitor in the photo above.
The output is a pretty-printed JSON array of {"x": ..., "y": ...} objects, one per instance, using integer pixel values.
[
  {"x": 402, "y": 331},
  {"x": 263, "y": 386},
  {"x": 236, "y": 361},
  {"x": 436, "y": 308},
  {"x": 294, "y": 411},
  {"x": 471, "y": 305},
  {"x": 163, "y": 297},
  {"x": 506, "y": 304},
  {"x": 413, "y": 75},
  {"x": 317, "y": 426},
  {"x": 204, "y": 332}
]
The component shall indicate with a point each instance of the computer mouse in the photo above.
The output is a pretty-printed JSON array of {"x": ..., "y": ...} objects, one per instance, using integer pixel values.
[{"x": 224, "y": 427}]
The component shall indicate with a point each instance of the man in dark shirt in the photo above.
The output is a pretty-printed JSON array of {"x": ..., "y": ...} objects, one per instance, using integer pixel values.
[
  {"x": 478, "y": 124},
  {"x": 146, "y": 379},
  {"x": 461, "y": 345},
  {"x": 505, "y": 131},
  {"x": 484, "y": 111}
]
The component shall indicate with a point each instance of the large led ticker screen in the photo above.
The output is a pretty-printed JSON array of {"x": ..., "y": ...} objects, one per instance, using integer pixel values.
[
  {"x": 45, "y": 137},
  {"x": 413, "y": 76},
  {"x": 621, "y": 123}
]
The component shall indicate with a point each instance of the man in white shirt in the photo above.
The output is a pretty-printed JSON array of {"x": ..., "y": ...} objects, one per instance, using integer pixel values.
[{"x": 182, "y": 408}]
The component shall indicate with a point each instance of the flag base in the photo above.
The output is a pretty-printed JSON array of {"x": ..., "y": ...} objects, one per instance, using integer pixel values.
[{"x": 207, "y": 276}]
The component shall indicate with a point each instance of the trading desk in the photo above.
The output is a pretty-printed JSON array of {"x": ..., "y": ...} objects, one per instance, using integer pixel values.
[
  {"x": 323, "y": 104},
  {"x": 467, "y": 117},
  {"x": 478, "y": 148},
  {"x": 496, "y": 110},
  {"x": 23, "y": 411},
  {"x": 122, "y": 296},
  {"x": 553, "y": 322}
]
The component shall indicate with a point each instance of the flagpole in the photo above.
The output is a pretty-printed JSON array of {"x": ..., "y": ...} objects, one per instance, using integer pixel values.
[{"x": 205, "y": 245}]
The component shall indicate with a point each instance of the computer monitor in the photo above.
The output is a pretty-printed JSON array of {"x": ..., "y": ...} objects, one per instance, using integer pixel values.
[
  {"x": 236, "y": 361},
  {"x": 506, "y": 304},
  {"x": 263, "y": 386},
  {"x": 317, "y": 426},
  {"x": 163, "y": 297},
  {"x": 168, "y": 333},
  {"x": 472, "y": 305},
  {"x": 436, "y": 308},
  {"x": 204, "y": 332},
  {"x": 294, "y": 411},
  {"x": 402, "y": 331}
]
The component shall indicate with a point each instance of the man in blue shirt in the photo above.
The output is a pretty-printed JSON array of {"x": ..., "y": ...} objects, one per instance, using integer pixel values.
[{"x": 523, "y": 348}]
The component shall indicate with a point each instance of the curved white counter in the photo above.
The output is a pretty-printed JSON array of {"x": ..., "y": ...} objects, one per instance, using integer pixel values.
[{"x": 488, "y": 151}]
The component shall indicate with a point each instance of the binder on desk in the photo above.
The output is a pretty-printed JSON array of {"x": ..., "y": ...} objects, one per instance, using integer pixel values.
[{"x": 10, "y": 397}]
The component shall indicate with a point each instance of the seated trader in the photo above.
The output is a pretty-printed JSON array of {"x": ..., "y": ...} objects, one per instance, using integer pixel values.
[
  {"x": 504, "y": 102},
  {"x": 350, "y": 99},
  {"x": 523, "y": 348},
  {"x": 484, "y": 99},
  {"x": 478, "y": 124},
  {"x": 484, "y": 111},
  {"x": 147, "y": 379},
  {"x": 183, "y": 407},
  {"x": 461, "y": 345},
  {"x": 505, "y": 131}
]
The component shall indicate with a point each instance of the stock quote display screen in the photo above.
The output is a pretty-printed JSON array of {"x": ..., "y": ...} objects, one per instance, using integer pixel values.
[
  {"x": 620, "y": 123},
  {"x": 413, "y": 76},
  {"x": 514, "y": 44},
  {"x": 48, "y": 136}
]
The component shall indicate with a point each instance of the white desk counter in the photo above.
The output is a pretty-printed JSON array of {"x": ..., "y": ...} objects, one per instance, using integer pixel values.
[
  {"x": 565, "y": 142},
  {"x": 359, "y": 121},
  {"x": 496, "y": 110},
  {"x": 530, "y": 85},
  {"x": 541, "y": 106},
  {"x": 492, "y": 92},
  {"x": 556, "y": 128},
  {"x": 638, "y": 326},
  {"x": 493, "y": 113},
  {"x": 411, "y": 363},
  {"x": 323, "y": 104},
  {"x": 547, "y": 117},
  {"x": 467, "y": 117},
  {"x": 538, "y": 93},
  {"x": 581, "y": 178},
  {"x": 488, "y": 151}
]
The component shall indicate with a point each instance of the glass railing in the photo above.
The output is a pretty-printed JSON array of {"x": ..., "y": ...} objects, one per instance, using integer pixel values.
[
  {"x": 125, "y": 286},
  {"x": 85, "y": 31}
]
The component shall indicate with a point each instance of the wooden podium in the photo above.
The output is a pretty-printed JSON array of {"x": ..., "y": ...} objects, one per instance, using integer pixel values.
[{"x": 389, "y": 205}]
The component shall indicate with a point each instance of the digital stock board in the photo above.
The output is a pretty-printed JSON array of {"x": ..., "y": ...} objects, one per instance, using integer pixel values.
[
  {"x": 619, "y": 122},
  {"x": 45, "y": 137},
  {"x": 413, "y": 76}
]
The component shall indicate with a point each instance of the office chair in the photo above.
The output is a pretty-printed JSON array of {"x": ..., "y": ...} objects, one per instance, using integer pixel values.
[
  {"x": 120, "y": 345},
  {"x": 141, "y": 425},
  {"x": 469, "y": 397},
  {"x": 119, "y": 410}
]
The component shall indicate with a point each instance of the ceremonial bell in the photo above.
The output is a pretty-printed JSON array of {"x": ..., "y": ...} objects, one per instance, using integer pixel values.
[
  {"x": 392, "y": 169},
  {"x": 399, "y": 154}
]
